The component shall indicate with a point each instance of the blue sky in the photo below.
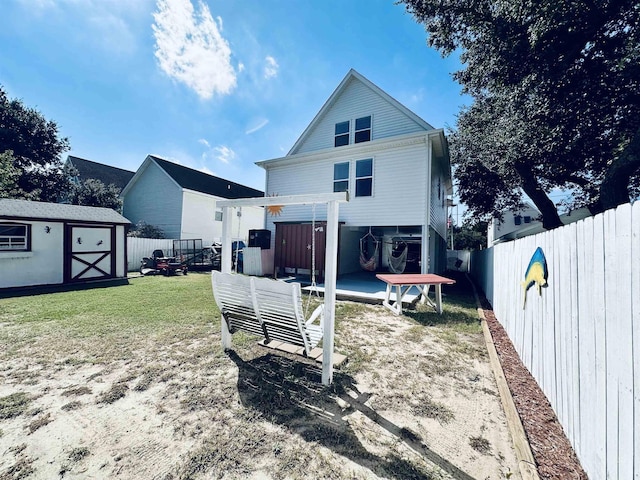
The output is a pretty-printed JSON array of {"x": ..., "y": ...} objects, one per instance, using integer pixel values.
[{"x": 212, "y": 85}]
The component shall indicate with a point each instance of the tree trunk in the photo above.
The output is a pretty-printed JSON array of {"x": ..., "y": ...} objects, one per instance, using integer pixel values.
[
  {"x": 550, "y": 217},
  {"x": 614, "y": 189}
]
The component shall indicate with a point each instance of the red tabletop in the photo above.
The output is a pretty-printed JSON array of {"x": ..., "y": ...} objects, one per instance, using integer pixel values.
[{"x": 414, "y": 279}]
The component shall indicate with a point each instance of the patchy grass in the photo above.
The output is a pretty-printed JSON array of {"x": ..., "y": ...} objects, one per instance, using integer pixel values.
[
  {"x": 480, "y": 444},
  {"x": 244, "y": 413},
  {"x": 14, "y": 405},
  {"x": 77, "y": 391},
  {"x": 23, "y": 468},
  {"x": 78, "y": 454},
  {"x": 39, "y": 422},
  {"x": 116, "y": 392}
]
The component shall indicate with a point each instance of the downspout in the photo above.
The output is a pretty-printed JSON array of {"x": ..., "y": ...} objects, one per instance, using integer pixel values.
[{"x": 424, "y": 254}]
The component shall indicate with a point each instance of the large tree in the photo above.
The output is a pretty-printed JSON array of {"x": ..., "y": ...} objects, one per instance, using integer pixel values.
[
  {"x": 556, "y": 89},
  {"x": 35, "y": 147},
  {"x": 94, "y": 193}
]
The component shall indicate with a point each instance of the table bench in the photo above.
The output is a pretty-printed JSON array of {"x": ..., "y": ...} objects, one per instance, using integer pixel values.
[{"x": 403, "y": 282}]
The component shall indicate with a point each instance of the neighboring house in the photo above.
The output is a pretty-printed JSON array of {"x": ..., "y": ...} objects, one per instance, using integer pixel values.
[
  {"x": 86, "y": 169},
  {"x": 395, "y": 167},
  {"x": 53, "y": 244},
  {"x": 525, "y": 222},
  {"x": 182, "y": 202}
]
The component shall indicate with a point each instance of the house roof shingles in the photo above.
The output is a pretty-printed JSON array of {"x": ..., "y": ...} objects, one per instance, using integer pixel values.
[
  {"x": 12, "y": 208},
  {"x": 105, "y": 173},
  {"x": 205, "y": 183}
]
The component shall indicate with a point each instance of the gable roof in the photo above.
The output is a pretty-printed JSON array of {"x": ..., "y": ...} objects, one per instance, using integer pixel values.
[
  {"x": 352, "y": 74},
  {"x": 203, "y": 182},
  {"x": 27, "y": 209},
  {"x": 105, "y": 173}
]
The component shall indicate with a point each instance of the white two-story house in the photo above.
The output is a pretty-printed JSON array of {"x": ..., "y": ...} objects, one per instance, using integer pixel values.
[{"x": 396, "y": 169}]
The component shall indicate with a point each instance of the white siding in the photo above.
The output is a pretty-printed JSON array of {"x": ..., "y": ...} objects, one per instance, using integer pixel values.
[
  {"x": 43, "y": 265},
  {"x": 399, "y": 177},
  {"x": 357, "y": 100},
  {"x": 198, "y": 217},
  {"x": 438, "y": 205},
  {"x": 157, "y": 200}
]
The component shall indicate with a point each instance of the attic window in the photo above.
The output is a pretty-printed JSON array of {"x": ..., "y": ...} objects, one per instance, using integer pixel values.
[
  {"x": 517, "y": 219},
  {"x": 341, "y": 134},
  {"x": 363, "y": 129},
  {"x": 527, "y": 219}
]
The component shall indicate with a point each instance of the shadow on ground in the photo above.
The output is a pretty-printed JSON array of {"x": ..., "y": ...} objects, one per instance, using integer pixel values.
[{"x": 289, "y": 393}]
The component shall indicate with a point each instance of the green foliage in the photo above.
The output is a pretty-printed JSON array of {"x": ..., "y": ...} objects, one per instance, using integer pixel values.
[
  {"x": 94, "y": 193},
  {"x": 556, "y": 94},
  {"x": 9, "y": 176},
  {"x": 470, "y": 236},
  {"x": 37, "y": 150},
  {"x": 144, "y": 230}
]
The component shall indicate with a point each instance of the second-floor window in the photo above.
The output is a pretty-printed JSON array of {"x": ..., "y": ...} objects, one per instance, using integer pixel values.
[
  {"x": 341, "y": 177},
  {"x": 364, "y": 177},
  {"x": 341, "y": 134}
]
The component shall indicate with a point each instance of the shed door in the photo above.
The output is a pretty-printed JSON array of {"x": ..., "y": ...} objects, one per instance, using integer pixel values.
[
  {"x": 294, "y": 245},
  {"x": 89, "y": 252}
]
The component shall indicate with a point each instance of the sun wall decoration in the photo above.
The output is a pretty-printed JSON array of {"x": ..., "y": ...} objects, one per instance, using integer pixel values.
[{"x": 275, "y": 210}]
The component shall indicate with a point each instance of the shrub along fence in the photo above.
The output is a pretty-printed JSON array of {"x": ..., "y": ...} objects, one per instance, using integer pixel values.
[{"x": 580, "y": 338}]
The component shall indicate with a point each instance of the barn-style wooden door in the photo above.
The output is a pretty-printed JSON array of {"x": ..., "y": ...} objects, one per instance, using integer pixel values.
[{"x": 89, "y": 252}]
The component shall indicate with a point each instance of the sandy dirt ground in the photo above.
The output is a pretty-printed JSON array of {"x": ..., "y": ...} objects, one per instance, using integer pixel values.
[{"x": 414, "y": 401}]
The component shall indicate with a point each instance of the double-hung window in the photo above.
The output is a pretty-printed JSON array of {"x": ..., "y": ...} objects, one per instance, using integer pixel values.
[
  {"x": 364, "y": 177},
  {"x": 14, "y": 237},
  {"x": 341, "y": 177},
  {"x": 341, "y": 134},
  {"x": 363, "y": 129}
]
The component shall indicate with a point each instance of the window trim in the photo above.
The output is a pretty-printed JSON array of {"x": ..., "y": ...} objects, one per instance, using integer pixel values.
[
  {"x": 363, "y": 177},
  {"x": 26, "y": 237}
]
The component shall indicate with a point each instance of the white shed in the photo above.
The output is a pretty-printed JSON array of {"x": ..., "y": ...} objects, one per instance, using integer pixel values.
[{"x": 56, "y": 244}]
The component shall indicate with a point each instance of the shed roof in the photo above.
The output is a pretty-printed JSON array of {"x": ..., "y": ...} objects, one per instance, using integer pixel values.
[
  {"x": 27, "y": 209},
  {"x": 105, "y": 173},
  {"x": 205, "y": 183}
]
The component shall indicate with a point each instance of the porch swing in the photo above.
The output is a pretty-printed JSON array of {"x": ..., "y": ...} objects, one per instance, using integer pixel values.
[
  {"x": 274, "y": 309},
  {"x": 370, "y": 264}
]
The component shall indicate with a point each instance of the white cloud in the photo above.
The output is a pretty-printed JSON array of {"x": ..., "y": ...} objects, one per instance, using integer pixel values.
[
  {"x": 224, "y": 153},
  {"x": 260, "y": 125},
  {"x": 271, "y": 67},
  {"x": 204, "y": 142},
  {"x": 190, "y": 49}
]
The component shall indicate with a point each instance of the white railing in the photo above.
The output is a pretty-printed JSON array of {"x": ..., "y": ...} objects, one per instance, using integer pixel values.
[{"x": 580, "y": 338}]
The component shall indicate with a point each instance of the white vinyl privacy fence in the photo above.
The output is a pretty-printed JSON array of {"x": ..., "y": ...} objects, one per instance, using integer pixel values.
[
  {"x": 144, "y": 247},
  {"x": 580, "y": 338}
]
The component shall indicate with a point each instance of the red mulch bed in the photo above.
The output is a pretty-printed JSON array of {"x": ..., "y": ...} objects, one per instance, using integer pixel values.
[{"x": 551, "y": 449}]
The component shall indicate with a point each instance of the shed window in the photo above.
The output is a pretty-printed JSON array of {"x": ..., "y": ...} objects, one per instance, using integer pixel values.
[
  {"x": 14, "y": 236},
  {"x": 363, "y": 129},
  {"x": 341, "y": 177},
  {"x": 342, "y": 134},
  {"x": 364, "y": 177}
]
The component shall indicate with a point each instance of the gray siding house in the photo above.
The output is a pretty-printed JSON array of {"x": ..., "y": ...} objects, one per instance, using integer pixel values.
[
  {"x": 394, "y": 165},
  {"x": 182, "y": 201}
]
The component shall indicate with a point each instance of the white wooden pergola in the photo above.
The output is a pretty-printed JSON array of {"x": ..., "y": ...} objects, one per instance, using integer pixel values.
[{"x": 332, "y": 200}]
